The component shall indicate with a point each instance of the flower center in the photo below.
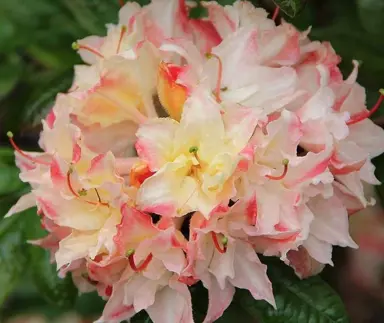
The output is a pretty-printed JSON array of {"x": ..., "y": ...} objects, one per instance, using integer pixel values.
[{"x": 82, "y": 192}]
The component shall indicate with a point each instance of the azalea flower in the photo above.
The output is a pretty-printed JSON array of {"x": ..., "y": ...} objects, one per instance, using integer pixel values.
[
  {"x": 195, "y": 161},
  {"x": 186, "y": 147}
]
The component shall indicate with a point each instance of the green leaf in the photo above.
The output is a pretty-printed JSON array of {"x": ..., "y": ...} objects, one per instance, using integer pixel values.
[
  {"x": 298, "y": 301},
  {"x": 10, "y": 71},
  {"x": 9, "y": 180},
  {"x": 90, "y": 305},
  {"x": 200, "y": 305},
  {"x": 226, "y": 2},
  {"x": 57, "y": 291},
  {"x": 85, "y": 17},
  {"x": 12, "y": 255},
  {"x": 60, "y": 292},
  {"x": 290, "y": 7},
  {"x": 51, "y": 57},
  {"x": 371, "y": 15},
  {"x": 7, "y": 156},
  {"x": 7, "y": 30},
  {"x": 43, "y": 99}
]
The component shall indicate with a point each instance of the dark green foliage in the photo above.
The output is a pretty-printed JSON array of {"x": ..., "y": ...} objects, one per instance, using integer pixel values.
[
  {"x": 12, "y": 256},
  {"x": 59, "y": 292},
  {"x": 290, "y": 7},
  {"x": 298, "y": 301}
]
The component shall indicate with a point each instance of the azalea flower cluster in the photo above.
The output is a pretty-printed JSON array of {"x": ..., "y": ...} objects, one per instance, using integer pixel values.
[{"x": 187, "y": 146}]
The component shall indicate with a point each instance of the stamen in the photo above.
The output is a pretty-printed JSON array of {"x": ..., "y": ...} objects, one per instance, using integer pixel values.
[
  {"x": 277, "y": 178},
  {"x": 81, "y": 192},
  {"x": 32, "y": 159},
  {"x": 275, "y": 13},
  {"x": 98, "y": 195},
  {"x": 219, "y": 76},
  {"x": 224, "y": 241},
  {"x": 366, "y": 114},
  {"x": 122, "y": 32},
  {"x": 77, "y": 46},
  {"x": 193, "y": 149},
  {"x": 131, "y": 259}
]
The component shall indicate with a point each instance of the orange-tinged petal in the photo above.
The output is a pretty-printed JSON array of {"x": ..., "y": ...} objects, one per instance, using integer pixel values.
[
  {"x": 139, "y": 173},
  {"x": 171, "y": 94}
]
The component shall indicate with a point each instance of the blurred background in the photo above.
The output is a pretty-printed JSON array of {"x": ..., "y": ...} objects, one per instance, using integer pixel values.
[{"x": 36, "y": 61}]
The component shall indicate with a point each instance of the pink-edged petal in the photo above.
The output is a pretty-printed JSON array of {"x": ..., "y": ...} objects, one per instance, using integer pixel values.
[
  {"x": 186, "y": 49},
  {"x": 144, "y": 295},
  {"x": 221, "y": 18},
  {"x": 80, "y": 216},
  {"x": 168, "y": 192},
  {"x": 58, "y": 171},
  {"x": 354, "y": 100},
  {"x": 367, "y": 173},
  {"x": 368, "y": 137},
  {"x": 74, "y": 247},
  {"x": 303, "y": 264},
  {"x": 205, "y": 34},
  {"x": 222, "y": 266},
  {"x": 227, "y": 19},
  {"x": 134, "y": 227},
  {"x": 350, "y": 201},
  {"x": 319, "y": 250},
  {"x": 347, "y": 158},
  {"x": 251, "y": 274},
  {"x": 239, "y": 123},
  {"x": 254, "y": 88},
  {"x": 94, "y": 42},
  {"x": 304, "y": 170},
  {"x": 218, "y": 299},
  {"x": 127, "y": 12},
  {"x": 155, "y": 139},
  {"x": 331, "y": 221},
  {"x": 166, "y": 246},
  {"x": 115, "y": 310},
  {"x": 102, "y": 169},
  {"x": 107, "y": 271},
  {"x": 202, "y": 125},
  {"x": 172, "y": 304},
  {"x": 118, "y": 138},
  {"x": 353, "y": 184},
  {"x": 25, "y": 202},
  {"x": 318, "y": 106}
]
